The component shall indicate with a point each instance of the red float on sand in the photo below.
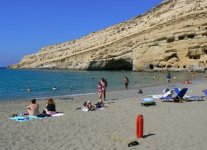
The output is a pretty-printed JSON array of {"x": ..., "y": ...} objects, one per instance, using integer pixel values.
[{"x": 139, "y": 126}]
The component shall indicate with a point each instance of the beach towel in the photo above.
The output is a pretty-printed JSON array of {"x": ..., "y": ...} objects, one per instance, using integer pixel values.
[
  {"x": 57, "y": 114},
  {"x": 21, "y": 118},
  {"x": 84, "y": 109},
  {"x": 27, "y": 118}
]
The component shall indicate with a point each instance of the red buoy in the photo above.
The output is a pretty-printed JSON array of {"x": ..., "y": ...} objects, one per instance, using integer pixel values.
[{"x": 139, "y": 126}]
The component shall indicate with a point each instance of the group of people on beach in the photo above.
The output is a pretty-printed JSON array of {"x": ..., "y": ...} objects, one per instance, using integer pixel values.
[
  {"x": 102, "y": 86},
  {"x": 33, "y": 108}
]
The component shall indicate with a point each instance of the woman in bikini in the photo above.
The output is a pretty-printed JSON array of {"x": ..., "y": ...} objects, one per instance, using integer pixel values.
[{"x": 100, "y": 93}]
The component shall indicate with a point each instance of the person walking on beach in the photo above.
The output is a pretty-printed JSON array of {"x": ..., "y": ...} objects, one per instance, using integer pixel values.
[
  {"x": 126, "y": 82},
  {"x": 168, "y": 77},
  {"x": 104, "y": 87}
]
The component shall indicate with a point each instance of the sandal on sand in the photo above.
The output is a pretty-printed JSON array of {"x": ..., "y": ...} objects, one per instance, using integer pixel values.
[{"x": 133, "y": 143}]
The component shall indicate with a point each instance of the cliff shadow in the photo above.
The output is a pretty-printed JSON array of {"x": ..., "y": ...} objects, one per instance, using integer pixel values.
[{"x": 113, "y": 64}]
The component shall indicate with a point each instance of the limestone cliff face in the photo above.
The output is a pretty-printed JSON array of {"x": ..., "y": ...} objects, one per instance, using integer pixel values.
[{"x": 172, "y": 35}]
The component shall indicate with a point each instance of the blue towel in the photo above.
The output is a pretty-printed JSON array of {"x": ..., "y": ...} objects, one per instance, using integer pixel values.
[
  {"x": 21, "y": 118},
  {"x": 25, "y": 118}
]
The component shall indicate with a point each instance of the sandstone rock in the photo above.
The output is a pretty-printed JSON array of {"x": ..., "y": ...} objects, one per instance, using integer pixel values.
[{"x": 171, "y": 36}]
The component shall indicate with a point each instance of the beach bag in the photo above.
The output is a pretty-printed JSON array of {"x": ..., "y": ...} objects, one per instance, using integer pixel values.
[{"x": 140, "y": 91}]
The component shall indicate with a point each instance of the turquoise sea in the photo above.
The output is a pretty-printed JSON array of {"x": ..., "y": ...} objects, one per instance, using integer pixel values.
[{"x": 14, "y": 83}]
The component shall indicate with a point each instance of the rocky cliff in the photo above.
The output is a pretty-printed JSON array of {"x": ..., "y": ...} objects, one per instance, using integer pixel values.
[{"x": 171, "y": 36}]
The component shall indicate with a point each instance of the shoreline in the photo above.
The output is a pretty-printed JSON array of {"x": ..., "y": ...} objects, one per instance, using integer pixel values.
[
  {"x": 166, "y": 125},
  {"x": 95, "y": 92},
  {"x": 94, "y": 95},
  {"x": 68, "y": 83}
]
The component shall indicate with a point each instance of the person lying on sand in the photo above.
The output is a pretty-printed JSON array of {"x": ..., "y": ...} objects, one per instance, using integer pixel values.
[{"x": 88, "y": 106}]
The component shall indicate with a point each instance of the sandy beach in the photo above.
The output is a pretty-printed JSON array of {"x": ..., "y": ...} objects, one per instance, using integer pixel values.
[{"x": 167, "y": 126}]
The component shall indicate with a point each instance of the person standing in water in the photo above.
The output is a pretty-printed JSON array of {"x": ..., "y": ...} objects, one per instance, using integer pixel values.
[
  {"x": 126, "y": 82},
  {"x": 168, "y": 77}
]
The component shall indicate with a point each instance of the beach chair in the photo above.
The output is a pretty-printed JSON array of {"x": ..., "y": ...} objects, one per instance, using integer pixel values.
[
  {"x": 167, "y": 94},
  {"x": 205, "y": 92},
  {"x": 190, "y": 98},
  {"x": 148, "y": 102},
  {"x": 177, "y": 98}
]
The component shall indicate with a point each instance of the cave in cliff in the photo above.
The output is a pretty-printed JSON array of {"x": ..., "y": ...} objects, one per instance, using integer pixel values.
[
  {"x": 113, "y": 64},
  {"x": 120, "y": 64}
]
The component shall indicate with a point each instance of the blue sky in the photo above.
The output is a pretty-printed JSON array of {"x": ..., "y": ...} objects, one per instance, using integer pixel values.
[{"x": 28, "y": 25}]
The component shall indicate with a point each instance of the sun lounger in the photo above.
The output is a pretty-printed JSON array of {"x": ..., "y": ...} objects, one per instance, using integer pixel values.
[
  {"x": 167, "y": 94},
  {"x": 205, "y": 92},
  {"x": 177, "y": 98},
  {"x": 194, "y": 98},
  {"x": 190, "y": 98}
]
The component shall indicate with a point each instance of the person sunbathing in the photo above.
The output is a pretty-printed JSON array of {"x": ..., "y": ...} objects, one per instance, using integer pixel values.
[
  {"x": 50, "y": 108},
  {"x": 88, "y": 106},
  {"x": 33, "y": 108}
]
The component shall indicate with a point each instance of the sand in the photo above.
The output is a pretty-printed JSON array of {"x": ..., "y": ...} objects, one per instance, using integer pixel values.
[{"x": 167, "y": 126}]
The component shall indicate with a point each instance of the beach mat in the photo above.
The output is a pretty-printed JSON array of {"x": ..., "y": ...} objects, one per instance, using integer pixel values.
[
  {"x": 21, "y": 118},
  {"x": 27, "y": 118}
]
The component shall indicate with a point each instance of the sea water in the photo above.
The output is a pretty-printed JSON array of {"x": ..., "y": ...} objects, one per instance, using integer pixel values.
[{"x": 14, "y": 84}]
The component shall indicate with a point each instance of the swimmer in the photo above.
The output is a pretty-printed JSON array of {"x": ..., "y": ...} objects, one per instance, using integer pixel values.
[
  {"x": 29, "y": 90},
  {"x": 54, "y": 88}
]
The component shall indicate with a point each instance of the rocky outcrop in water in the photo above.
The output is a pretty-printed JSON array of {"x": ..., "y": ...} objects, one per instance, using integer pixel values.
[{"x": 171, "y": 36}]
